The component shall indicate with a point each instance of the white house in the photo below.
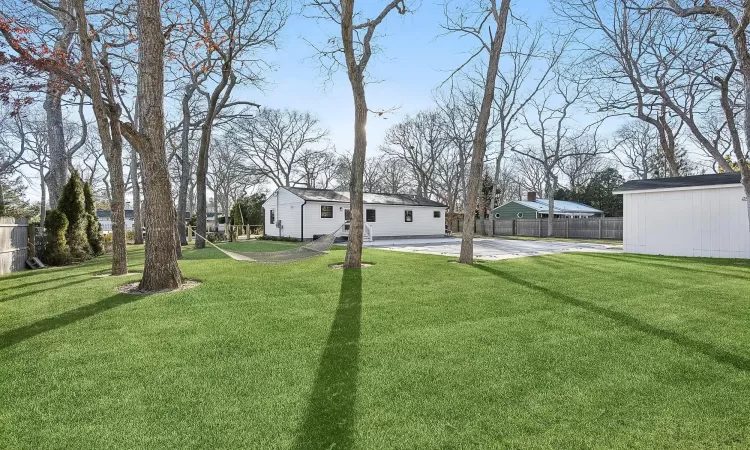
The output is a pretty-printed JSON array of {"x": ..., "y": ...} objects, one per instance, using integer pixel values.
[
  {"x": 308, "y": 213},
  {"x": 703, "y": 215}
]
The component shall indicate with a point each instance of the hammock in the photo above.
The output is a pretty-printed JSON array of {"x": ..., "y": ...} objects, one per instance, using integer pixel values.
[{"x": 317, "y": 247}]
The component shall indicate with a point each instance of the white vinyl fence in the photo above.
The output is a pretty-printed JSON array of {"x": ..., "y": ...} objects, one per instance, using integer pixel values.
[{"x": 13, "y": 244}]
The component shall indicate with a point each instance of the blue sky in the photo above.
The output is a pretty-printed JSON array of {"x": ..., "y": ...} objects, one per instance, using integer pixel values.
[{"x": 413, "y": 62}]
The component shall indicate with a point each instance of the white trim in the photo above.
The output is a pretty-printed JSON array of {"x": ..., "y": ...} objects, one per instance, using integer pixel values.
[{"x": 680, "y": 188}]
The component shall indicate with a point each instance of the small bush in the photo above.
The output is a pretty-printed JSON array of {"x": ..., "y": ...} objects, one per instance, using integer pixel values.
[
  {"x": 56, "y": 252},
  {"x": 72, "y": 203},
  {"x": 93, "y": 228},
  {"x": 94, "y": 235}
]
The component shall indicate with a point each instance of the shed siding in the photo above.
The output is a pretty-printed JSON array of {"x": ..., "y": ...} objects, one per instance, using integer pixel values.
[
  {"x": 287, "y": 210},
  {"x": 389, "y": 220},
  {"x": 697, "y": 222},
  {"x": 511, "y": 210}
]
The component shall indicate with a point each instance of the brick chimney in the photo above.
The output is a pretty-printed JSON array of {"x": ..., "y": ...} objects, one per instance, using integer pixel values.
[{"x": 531, "y": 196}]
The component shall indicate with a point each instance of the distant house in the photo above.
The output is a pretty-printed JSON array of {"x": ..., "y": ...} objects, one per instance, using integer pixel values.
[
  {"x": 701, "y": 215},
  {"x": 306, "y": 213},
  {"x": 533, "y": 208},
  {"x": 105, "y": 218}
]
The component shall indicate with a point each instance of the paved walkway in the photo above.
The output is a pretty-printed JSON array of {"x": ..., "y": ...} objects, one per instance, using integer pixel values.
[{"x": 488, "y": 249}]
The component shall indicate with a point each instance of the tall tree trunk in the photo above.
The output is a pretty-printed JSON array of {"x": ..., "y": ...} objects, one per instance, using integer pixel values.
[
  {"x": 161, "y": 270},
  {"x": 495, "y": 181},
  {"x": 108, "y": 123},
  {"x": 201, "y": 217},
  {"x": 741, "y": 160},
  {"x": 182, "y": 194},
  {"x": 480, "y": 137},
  {"x": 58, "y": 173},
  {"x": 356, "y": 188},
  {"x": 134, "y": 181},
  {"x": 551, "y": 188},
  {"x": 117, "y": 204},
  {"x": 43, "y": 199}
]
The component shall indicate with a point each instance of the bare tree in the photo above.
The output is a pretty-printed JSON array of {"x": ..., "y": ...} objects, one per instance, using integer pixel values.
[
  {"x": 614, "y": 40},
  {"x": 548, "y": 120},
  {"x": 517, "y": 86},
  {"x": 228, "y": 177},
  {"x": 531, "y": 174},
  {"x": 635, "y": 144},
  {"x": 473, "y": 23},
  {"x": 583, "y": 163},
  {"x": 278, "y": 144},
  {"x": 355, "y": 44},
  {"x": 231, "y": 32},
  {"x": 318, "y": 168},
  {"x": 418, "y": 142}
]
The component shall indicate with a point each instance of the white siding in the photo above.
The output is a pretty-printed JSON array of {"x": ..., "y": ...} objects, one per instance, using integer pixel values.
[
  {"x": 287, "y": 209},
  {"x": 710, "y": 222},
  {"x": 389, "y": 220}
]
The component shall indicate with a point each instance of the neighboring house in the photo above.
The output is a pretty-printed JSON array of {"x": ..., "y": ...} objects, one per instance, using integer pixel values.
[
  {"x": 307, "y": 213},
  {"x": 105, "y": 218},
  {"x": 533, "y": 208},
  {"x": 702, "y": 215}
]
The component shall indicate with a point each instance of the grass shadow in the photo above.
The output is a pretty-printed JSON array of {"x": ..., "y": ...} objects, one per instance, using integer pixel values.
[
  {"x": 329, "y": 418},
  {"x": 21, "y": 334},
  {"x": 717, "y": 354},
  {"x": 671, "y": 264},
  {"x": 40, "y": 291},
  {"x": 40, "y": 281}
]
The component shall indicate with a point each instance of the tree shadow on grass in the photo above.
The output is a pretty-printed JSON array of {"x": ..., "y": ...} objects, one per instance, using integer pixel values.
[
  {"x": 42, "y": 280},
  {"x": 329, "y": 418},
  {"x": 24, "y": 293},
  {"x": 646, "y": 260},
  {"x": 710, "y": 350},
  {"x": 23, "y": 333}
]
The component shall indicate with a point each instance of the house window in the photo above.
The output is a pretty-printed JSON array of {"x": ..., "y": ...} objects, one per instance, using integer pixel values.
[
  {"x": 519, "y": 215},
  {"x": 370, "y": 215},
  {"x": 273, "y": 217},
  {"x": 408, "y": 216},
  {"x": 326, "y": 211},
  {"x": 436, "y": 214},
  {"x": 347, "y": 215},
  {"x": 497, "y": 215}
]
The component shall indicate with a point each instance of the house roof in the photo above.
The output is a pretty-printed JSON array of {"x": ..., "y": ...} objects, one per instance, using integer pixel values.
[
  {"x": 561, "y": 206},
  {"x": 329, "y": 195},
  {"x": 714, "y": 179}
]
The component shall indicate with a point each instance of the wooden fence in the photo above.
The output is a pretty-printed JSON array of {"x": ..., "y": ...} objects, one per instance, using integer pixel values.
[
  {"x": 13, "y": 244},
  {"x": 590, "y": 228}
]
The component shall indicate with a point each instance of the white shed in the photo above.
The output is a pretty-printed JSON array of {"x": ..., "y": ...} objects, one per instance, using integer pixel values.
[
  {"x": 702, "y": 215},
  {"x": 307, "y": 213}
]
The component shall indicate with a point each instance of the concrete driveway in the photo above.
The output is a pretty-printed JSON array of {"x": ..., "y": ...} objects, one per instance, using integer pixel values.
[{"x": 488, "y": 249}]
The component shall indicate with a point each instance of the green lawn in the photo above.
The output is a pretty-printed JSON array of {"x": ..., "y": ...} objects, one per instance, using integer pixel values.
[{"x": 561, "y": 351}]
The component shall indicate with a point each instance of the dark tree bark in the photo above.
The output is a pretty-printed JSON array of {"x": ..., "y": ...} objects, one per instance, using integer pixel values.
[{"x": 161, "y": 270}]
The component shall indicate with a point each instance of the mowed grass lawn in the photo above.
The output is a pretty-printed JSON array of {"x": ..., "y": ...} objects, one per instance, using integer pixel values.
[{"x": 563, "y": 351}]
